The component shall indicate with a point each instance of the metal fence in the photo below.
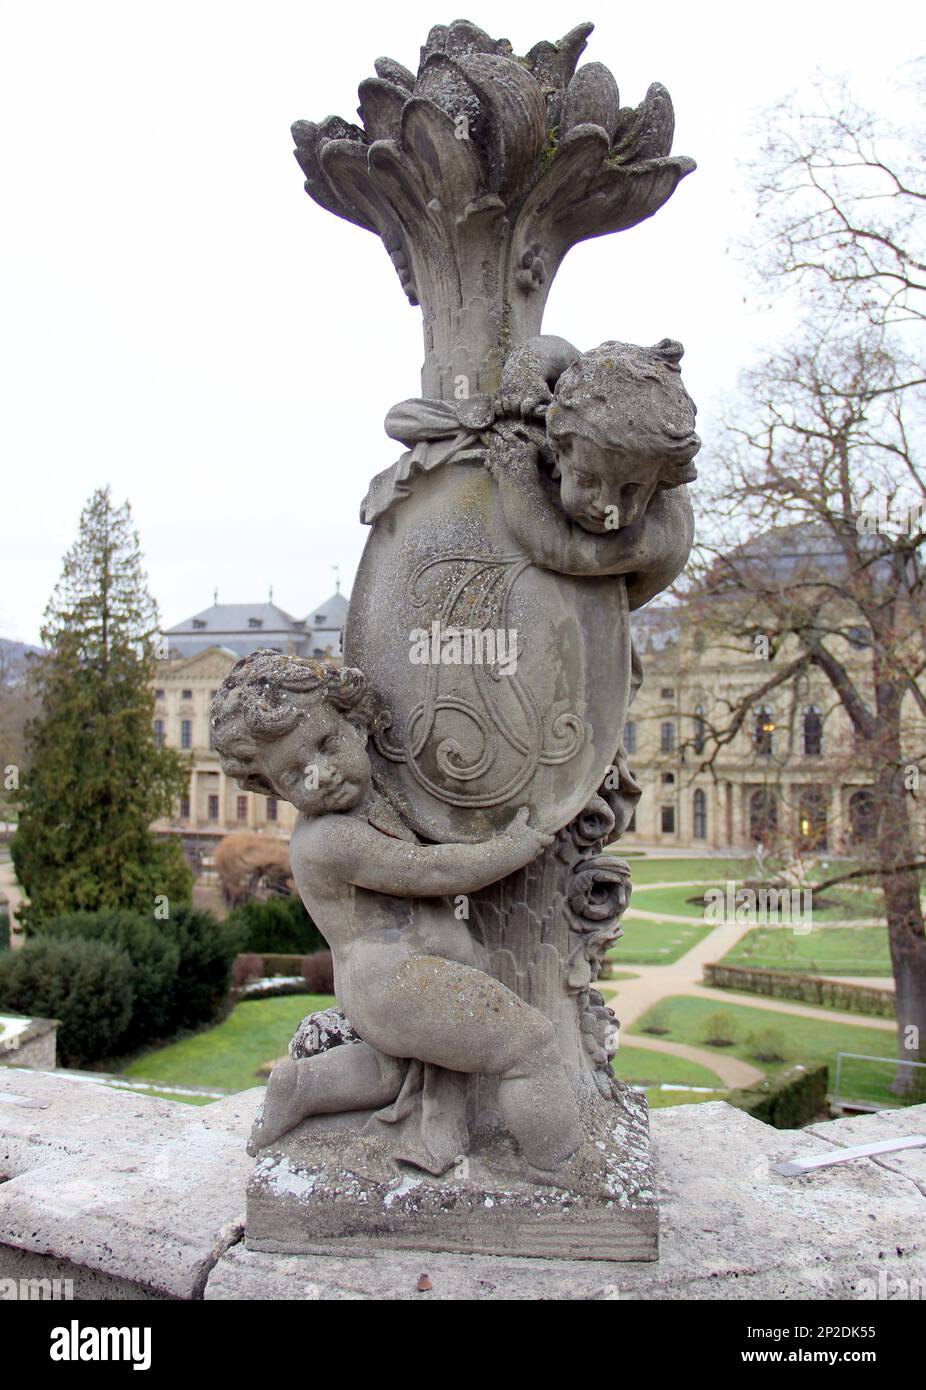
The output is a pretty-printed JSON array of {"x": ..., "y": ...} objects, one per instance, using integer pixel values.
[{"x": 877, "y": 1083}]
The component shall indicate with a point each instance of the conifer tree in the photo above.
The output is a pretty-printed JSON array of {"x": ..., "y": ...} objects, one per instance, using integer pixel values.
[{"x": 96, "y": 778}]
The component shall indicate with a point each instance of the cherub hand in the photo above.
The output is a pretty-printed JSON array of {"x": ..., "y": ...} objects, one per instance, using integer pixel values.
[
  {"x": 510, "y": 453},
  {"x": 531, "y": 405},
  {"x": 523, "y": 391},
  {"x": 525, "y": 837}
]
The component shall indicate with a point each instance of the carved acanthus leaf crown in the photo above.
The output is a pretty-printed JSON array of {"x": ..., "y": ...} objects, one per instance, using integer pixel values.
[{"x": 483, "y": 152}]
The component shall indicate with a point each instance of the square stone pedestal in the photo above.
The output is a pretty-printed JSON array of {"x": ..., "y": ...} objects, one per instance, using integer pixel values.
[{"x": 327, "y": 1186}]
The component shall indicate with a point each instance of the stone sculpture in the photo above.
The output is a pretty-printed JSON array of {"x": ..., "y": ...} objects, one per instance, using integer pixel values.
[{"x": 459, "y": 778}]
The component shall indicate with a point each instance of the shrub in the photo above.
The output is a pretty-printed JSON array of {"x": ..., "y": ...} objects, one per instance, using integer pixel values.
[
  {"x": 318, "y": 972},
  {"x": 86, "y": 985},
  {"x": 244, "y": 968},
  {"x": 768, "y": 1045},
  {"x": 206, "y": 949},
  {"x": 279, "y": 926},
  {"x": 658, "y": 1020},
  {"x": 154, "y": 955},
  {"x": 719, "y": 1029}
]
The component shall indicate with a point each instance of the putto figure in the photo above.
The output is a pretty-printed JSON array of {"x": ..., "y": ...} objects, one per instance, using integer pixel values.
[
  {"x": 602, "y": 490},
  {"x": 407, "y": 971}
]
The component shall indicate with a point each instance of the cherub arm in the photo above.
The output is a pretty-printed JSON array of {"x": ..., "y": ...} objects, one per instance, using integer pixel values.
[
  {"x": 651, "y": 553},
  {"x": 530, "y": 373},
  {"x": 356, "y": 852}
]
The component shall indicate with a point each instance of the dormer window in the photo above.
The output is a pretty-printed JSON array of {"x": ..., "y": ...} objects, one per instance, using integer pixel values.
[
  {"x": 198, "y": 624},
  {"x": 255, "y": 622},
  {"x": 320, "y": 619}
]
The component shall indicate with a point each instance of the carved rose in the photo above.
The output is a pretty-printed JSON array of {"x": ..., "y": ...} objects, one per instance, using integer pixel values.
[
  {"x": 600, "y": 888},
  {"x": 593, "y": 824}
]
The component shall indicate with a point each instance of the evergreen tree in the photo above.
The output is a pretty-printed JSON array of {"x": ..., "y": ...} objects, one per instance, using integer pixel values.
[{"x": 96, "y": 779}]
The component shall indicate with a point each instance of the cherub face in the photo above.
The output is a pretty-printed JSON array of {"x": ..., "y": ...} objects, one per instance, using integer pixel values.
[
  {"x": 605, "y": 489},
  {"x": 321, "y": 766}
]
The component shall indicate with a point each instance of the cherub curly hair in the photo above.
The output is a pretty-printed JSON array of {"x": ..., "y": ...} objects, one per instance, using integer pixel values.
[
  {"x": 262, "y": 699},
  {"x": 620, "y": 394}
]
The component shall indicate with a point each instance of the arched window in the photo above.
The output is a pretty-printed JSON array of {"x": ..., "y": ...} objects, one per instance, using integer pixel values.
[
  {"x": 699, "y": 815},
  {"x": 764, "y": 731},
  {"x": 812, "y": 733},
  {"x": 863, "y": 814},
  {"x": 699, "y": 727},
  {"x": 763, "y": 815},
  {"x": 811, "y": 818}
]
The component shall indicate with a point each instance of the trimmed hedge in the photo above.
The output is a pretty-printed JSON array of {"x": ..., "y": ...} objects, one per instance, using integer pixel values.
[
  {"x": 809, "y": 989},
  {"x": 281, "y": 965},
  {"x": 176, "y": 972},
  {"x": 279, "y": 926},
  {"x": 206, "y": 949},
  {"x": 86, "y": 985},
  {"x": 155, "y": 959},
  {"x": 787, "y": 1101}
]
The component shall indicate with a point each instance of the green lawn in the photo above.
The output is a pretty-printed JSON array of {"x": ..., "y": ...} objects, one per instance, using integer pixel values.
[
  {"x": 671, "y": 900},
  {"x": 829, "y": 951},
  {"x": 655, "y": 943},
  {"x": 645, "y": 870},
  {"x": 643, "y": 1067},
  {"x": 227, "y": 1055},
  {"x": 810, "y": 1041}
]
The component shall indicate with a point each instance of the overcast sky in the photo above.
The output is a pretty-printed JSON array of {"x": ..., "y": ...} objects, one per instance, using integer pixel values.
[{"x": 179, "y": 320}]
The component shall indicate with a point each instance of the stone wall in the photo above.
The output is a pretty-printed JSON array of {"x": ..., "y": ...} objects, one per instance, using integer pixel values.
[
  {"x": 131, "y": 1197},
  {"x": 32, "y": 1046}
]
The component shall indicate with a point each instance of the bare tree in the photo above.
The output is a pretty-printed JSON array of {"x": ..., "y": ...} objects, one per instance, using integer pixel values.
[
  {"x": 815, "y": 547},
  {"x": 841, "y": 197}
]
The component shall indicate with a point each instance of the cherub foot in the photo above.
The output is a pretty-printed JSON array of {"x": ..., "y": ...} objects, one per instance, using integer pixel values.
[{"x": 280, "y": 1111}]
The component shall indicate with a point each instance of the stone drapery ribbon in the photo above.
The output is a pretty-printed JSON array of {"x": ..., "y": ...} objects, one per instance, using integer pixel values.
[{"x": 436, "y": 432}]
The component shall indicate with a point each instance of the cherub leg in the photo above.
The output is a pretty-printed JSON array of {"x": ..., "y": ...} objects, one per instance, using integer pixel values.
[
  {"x": 465, "y": 1020},
  {"x": 352, "y": 1077}
]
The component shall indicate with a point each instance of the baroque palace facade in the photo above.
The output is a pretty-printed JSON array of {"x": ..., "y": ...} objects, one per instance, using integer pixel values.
[
  {"x": 197, "y": 656},
  {"x": 789, "y": 777}
]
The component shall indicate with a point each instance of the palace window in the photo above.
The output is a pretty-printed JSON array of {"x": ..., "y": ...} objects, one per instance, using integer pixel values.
[
  {"x": 666, "y": 738},
  {"x": 186, "y": 694},
  {"x": 159, "y": 694},
  {"x": 812, "y": 733},
  {"x": 699, "y": 727},
  {"x": 763, "y": 734},
  {"x": 863, "y": 815},
  {"x": 271, "y": 808},
  {"x": 159, "y": 733},
  {"x": 242, "y": 805},
  {"x": 213, "y": 808},
  {"x": 667, "y": 820},
  {"x": 699, "y": 815},
  {"x": 186, "y": 733},
  {"x": 667, "y": 693},
  {"x": 763, "y": 815},
  {"x": 630, "y": 737},
  {"x": 184, "y": 808}
]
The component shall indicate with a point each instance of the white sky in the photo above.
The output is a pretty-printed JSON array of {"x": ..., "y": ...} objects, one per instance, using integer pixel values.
[{"x": 179, "y": 319}]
